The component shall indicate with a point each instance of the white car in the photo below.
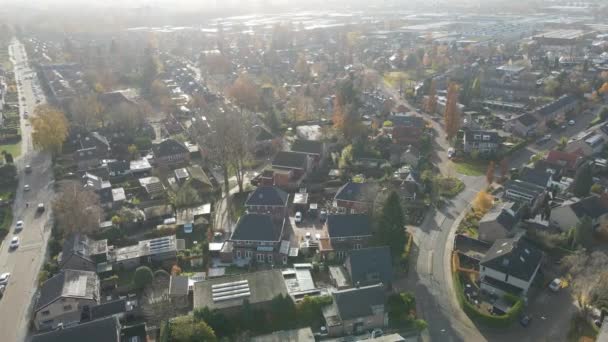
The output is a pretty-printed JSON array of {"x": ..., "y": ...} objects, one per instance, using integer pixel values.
[
  {"x": 26, "y": 187},
  {"x": 451, "y": 152},
  {"x": 4, "y": 278},
  {"x": 14, "y": 242},
  {"x": 555, "y": 285},
  {"x": 298, "y": 217},
  {"x": 571, "y": 122},
  {"x": 19, "y": 226}
]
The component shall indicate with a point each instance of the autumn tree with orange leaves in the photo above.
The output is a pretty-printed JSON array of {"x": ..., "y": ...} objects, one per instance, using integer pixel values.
[
  {"x": 431, "y": 101},
  {"x": 244, "y": 92},
  {"x": 451, "y": 115}
]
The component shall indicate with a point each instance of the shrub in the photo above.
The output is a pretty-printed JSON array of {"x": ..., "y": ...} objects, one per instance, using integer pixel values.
[
  {"x": 142, "y": 277},
  {"x": 405, "y": 256}
]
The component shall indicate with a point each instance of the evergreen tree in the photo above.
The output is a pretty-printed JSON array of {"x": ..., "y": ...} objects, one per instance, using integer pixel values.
[
  {"x": 583, "y": 180},
  {"x": 391, "y": 225},
  {"x": 431, "y": 102}
]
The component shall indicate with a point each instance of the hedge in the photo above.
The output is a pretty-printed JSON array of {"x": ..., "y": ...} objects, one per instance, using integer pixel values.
[{"x": 495, "y": 321}]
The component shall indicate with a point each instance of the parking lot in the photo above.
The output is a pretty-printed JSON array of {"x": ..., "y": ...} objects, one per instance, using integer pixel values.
[{"x": 310, "y": 228}]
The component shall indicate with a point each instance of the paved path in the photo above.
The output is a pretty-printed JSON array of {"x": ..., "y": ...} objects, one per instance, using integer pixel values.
[{"x": 25, "y": 262}]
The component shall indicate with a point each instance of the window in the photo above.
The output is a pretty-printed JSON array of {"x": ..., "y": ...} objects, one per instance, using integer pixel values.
[
  {"x": 357, "y": 246},
  {"x": 260, "y": 257},
  {"x": 341, "y": 254},
  {"x": 45, "y": 313},
  {"x": 269, "y": 258},
  {"x": 67, "y": 307},
  {"x": 248, "y": 254},
  {"x": 238, "y": 254}
]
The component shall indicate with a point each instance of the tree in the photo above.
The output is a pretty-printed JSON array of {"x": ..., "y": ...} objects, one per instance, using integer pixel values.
[
  {"x": 483, "y": 202},
  {"x": 216, "y": 320},
  {"x": 431, "y": 101},
  {"x": 49, "y": 129},
  {"x": 490, "y": 173},
  {"x": 142, "y": 277},
  {"x": 186, "y": 196},
  {"x": 8, "y": 157},
  {"x": 561, "y": 145},
  {"x": 244, "y": 93},
  {"x": 583, "y": 180},
  {"x": 86, "y": 112},
  {"x": 391, "y": 225},
  {"x": 76, "y": 209},
  {"x": 583, "y": 232},
  {"x": 187, "y": 329},
  {"x": 452, "y": 112}
]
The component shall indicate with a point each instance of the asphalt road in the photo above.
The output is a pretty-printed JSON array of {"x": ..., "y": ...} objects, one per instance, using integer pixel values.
[{"x": 24, "y": 263}]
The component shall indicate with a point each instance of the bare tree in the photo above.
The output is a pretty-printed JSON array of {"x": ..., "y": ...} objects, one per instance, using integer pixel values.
[
  {"x": 156, "y": 305},
  {"x": 76, "y": 208}
]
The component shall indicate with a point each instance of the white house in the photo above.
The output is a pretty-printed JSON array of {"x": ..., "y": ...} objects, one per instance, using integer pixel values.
[{"x": 509, "y": 267}]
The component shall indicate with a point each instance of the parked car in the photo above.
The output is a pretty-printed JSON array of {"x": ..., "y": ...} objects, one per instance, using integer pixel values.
[
  {"x": 4, "y": 278},
  {"x": 555, "y": 285},
  {"x": 323, "y": 216},
  {"x": 19, "y": 226},
  {"x": 26, "y": 187},
  {"x": 525, "y": 320},
  {"x": 28, "y": 168},
  {"x": 40, "y": 207},
  {"x": 377, "y": 333},
  {"x": 571, "y": 122},
  {"x": 298, "y": 217},
  {"x": 14, "y": 242}
]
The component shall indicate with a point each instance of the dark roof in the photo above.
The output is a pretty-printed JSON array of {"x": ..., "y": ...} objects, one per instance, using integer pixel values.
[
  {"x": 536, "y": 176},
  {"x": 373, "y": 260},
  {"x": 53, "y": 288},
  {"x": 592, "y": 207},
  {"x": 358, "y": 302},
  {"x": 515, "y": 257},
  {"x": 527, "y": 120},
  {"x": 483, "y": 136},
  {"x": 292, "y": 160},
  {"x": 76, "y": 244},
  {"x": 100, "y": 330},
  {"x": 109, "y": 308},
  {"x": 357, "y": 192},
  {"x": 93, "y": 140},
  {"x": 268, "y": 196},
  {"x": 406, "y": 120},
  {"x": 169, "y": 147},
  {"x": 556, "y": 105},
  {"x": 50, "y": 290},
  {"x": 307, "y": 146},
  {"x": 524, "y": 187},
  {"x": 348, "y": 225},
  {"x": 262, "y": 134},
  {"x": 119, "y": 166},
  {"x": 256, "y": 227}
]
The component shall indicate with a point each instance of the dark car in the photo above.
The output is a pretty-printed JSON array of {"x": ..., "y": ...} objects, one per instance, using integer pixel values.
[{"x": 525, "y": 320}]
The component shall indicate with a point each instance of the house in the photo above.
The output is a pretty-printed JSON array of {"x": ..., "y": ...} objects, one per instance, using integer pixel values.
[
  {"x": 81, "y": 253},
  {"x": 118, "y": 168},
  {"x": 92, "y": 148},
  {"x": 140, "y": 167},
  {"x": 162, "y": 250},
  {"x": 355, "y": 198},
  {"x": 290, "y": 167},
  {"x": 356, "y": 310},
  {"x": 170, "y": 152},
  {"x": 570, "y": 213},
  {"x": 263, "y": 139},
  {"x": 295, "y": 335},
  {"x": 199, "y": 179},
  {"x": 227, "y": 294},
  {"x": 258, "y": 237},
  {"x": 587, "y": 144},
  {"x": 120, "y": 308},
  {"x": 407, "y": 129},
  {"x": 101, "y": 330},
  {"x": 346, "y": 232},
  {"x": 268, "y": 200},
  {"x": 408, "y": 155},
  {"x": 525, "y": 125},
  {"x": 509, "y": 266},
  {"x": 102, "y": 188},
  {"x": 118, "y": 197},
  {"x": 500, "y": 222},
  {"x": 63, "y": 297},
  {"x": 555, "y": 110},
  {"x": 312, "y": 148},
  {"x": 372, "y": 265},
  {"x": 540, "y": 176},
  {"x": 483, "y": 142},
  {"x": 569, "y": 162},
  {"x": 153, "y": 186},
  {"x": 531, "y": 194},
  {"x": 178, "y": 291}
]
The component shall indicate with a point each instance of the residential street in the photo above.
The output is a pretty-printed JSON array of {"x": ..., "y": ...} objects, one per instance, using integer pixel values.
[{"x": 24, "y": 263}]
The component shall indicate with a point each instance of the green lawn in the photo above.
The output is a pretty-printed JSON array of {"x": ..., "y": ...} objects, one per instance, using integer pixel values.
[
  {"x": 471, "y": 168},
  {"x": 14, "y": 149}
]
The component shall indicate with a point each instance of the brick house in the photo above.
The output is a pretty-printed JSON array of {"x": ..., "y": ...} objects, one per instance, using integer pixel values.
[
  {"x": 92, "y": 149},
  {"x": 258, "y": 238},
  {"x": 355, "y": 198},
  {"x": 268, "y": 200},
  {"x": 345, "y": 233},
  {"x": 290, "y": 167},
  {"x": 170, "y": 151},
  {"x": 314, "y": 149}
]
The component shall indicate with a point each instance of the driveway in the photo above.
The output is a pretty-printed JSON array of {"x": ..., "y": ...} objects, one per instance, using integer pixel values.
[{"x": 25, "y": 262}]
